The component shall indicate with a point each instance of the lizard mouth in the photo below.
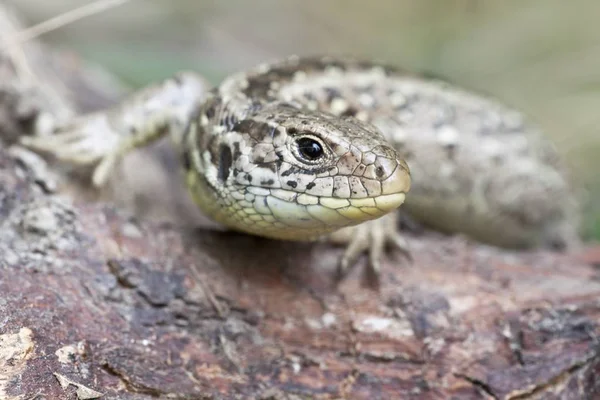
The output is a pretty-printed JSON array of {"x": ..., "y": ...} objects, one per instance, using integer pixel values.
[
  {"x": 292, "y": 216},
  {"x": 287, "y": 214},
  {"x": 297, "y": 215},
  {"x": 339, "y": 213}
]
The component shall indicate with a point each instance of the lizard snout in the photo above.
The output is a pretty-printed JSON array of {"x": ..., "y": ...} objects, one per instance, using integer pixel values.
[{"x": 394, "y": 176}]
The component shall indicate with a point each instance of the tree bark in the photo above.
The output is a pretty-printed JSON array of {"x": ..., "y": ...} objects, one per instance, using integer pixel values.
[{"x": 95, "y": 302}]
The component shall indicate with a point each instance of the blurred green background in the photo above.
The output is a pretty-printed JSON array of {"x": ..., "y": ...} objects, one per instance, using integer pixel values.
[{"x": 541, "y": 56}]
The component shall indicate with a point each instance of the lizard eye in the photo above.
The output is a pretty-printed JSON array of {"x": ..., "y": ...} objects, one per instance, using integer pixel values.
[{"x": 309, "y": 148}]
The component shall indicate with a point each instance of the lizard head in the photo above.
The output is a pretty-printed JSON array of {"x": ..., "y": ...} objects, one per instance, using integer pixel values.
[{"x": 292, "y": 173}]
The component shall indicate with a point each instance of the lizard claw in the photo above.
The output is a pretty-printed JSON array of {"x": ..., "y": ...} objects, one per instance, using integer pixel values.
[{"x": 372, "y": 237}]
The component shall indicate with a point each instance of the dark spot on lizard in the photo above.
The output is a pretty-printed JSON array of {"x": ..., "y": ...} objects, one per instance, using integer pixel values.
[
  {"x": 271, "y": 166},
  {"x": 210, "y": 110},
  {"x": 310, "y": 96},
  {"x": 275, "y": 133},
  {"x": 332, "y": 93},
  {"x": 249, "y": 178},
  {"x": 236, "y": 150},
  {"x": 259, "y": 85},
  {"x": 256, "y": 129},
  {"x": 243, "y": 126},
  {"x": 225, "y": 161},
  {"x": 379, "y": 172},
  {"x": 229, "y": 120},
  {"x": 186, "y": 160},
  {"x": 287, "y": 172},
  {"x": 310, "y": 185},
  {"x": 350, "y": 112},
  {"x": 292, "y": 131},
  {"x": 268, "y": 182},
  {"x": 292, "y": 184}
]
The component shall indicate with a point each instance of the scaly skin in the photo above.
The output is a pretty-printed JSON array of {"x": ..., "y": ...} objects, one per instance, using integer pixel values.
[{"x": 477, "y": 168}]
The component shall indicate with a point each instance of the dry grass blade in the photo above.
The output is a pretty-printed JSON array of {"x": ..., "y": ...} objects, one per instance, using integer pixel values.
[{"x": 61, "y": 20}]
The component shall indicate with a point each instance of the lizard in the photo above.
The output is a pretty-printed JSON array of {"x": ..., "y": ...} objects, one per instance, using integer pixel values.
[{"x": 306, "y": 148}]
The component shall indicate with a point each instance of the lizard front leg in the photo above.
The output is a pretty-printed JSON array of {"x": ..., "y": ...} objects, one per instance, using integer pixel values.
[
  {"x": 370, "y": 237},
  {"x": 102, "y": 138}
]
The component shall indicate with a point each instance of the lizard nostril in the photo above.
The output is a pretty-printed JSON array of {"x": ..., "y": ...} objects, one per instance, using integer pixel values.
[
  {"x": 397, "y": 179},
  {"x": 383, "y": 168}
]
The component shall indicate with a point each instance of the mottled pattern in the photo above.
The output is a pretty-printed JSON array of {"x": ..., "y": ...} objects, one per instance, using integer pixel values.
[
  {"x": 477, "y": 167},
  {"x": 255, "y": 180}
]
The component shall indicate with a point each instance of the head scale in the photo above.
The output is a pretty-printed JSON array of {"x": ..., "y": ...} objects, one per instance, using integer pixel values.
[{"x": 291, "y": 173}]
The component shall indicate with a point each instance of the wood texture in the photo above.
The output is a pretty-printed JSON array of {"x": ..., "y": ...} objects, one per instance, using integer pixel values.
[{"x": 96, "y": 302}]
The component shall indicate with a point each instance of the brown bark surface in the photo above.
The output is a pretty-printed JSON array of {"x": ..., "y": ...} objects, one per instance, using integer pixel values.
[{"x": 94, "y": 302}]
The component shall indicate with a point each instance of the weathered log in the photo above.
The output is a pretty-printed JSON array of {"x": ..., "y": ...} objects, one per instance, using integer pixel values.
[{"x": 95, "y": 302}]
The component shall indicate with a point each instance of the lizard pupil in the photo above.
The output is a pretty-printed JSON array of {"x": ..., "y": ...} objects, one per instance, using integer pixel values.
[{"x": 309, "y": 148}]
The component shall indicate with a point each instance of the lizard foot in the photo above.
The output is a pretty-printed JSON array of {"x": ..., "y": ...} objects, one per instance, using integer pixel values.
[
  {"x": 372, "y": 237},
  {"x": 88, "y": 140},
  {"x": 103, "y": 138}
]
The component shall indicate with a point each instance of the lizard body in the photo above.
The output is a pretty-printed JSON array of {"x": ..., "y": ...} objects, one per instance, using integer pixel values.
[{"x": 247, "y": 146}]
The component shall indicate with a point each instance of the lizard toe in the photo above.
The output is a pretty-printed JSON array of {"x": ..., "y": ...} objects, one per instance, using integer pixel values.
[{"x": 370, "y": 238}]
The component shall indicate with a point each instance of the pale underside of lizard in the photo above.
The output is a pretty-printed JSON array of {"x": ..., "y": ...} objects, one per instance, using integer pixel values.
[{"x": 305, "y": 147}]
